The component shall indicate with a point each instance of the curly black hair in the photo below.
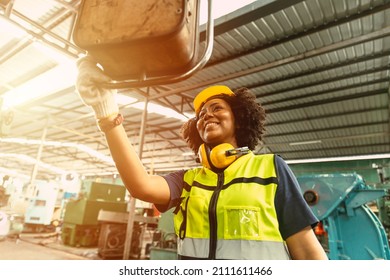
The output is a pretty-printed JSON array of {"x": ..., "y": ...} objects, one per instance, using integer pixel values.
[{"x": 249, "y": 117}]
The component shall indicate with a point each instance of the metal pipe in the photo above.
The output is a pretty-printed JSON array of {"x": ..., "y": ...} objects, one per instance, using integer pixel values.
[{"x": 132, "y": 202}]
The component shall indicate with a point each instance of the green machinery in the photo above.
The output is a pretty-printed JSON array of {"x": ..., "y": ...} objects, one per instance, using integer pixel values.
[
  {"x": 80, "y": 223},
  {"x": 164, "y": 244},
  {"x": 383, "y": 204}
]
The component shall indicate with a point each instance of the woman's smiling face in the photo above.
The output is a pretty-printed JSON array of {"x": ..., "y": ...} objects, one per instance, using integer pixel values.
[{"x": 216, "y": 123}]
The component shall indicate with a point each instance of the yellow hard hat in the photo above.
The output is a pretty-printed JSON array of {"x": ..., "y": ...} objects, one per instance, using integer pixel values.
[{"x": 205, "y": 94}]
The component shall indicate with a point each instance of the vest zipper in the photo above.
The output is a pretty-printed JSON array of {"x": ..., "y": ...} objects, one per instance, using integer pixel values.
[
  {"x": 213, "y": 217},
  {"x": 183, "y": 226}
]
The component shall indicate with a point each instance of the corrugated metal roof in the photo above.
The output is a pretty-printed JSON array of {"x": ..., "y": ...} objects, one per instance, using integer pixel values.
[{"x": 319, "y": 67}]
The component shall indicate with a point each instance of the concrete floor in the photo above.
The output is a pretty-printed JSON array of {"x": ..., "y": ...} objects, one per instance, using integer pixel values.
[
  {"x": 18, "y": 244},
  {"x": 41, "y": 247}
]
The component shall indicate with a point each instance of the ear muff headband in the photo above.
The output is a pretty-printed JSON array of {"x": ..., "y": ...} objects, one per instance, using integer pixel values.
[
  {"x": 203, "y": 156},
  {"x": 220, "y": 156}
]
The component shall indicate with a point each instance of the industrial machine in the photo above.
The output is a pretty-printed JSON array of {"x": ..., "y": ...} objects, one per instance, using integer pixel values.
[
  {"x": 80, "y": 226},
  {"x": 383, "y": 203},
  {"x": 11, "y": 224},
  {"x": 41, "y": 207},
  {"x": 143, "y": 43},
  {"x": 3, "y": 193},
  {"x": 348, "y": 228},
  {"x": 383, "y": 206},
  {"x": 164, "y": 243},
  {"x": 113, "y": 233}
]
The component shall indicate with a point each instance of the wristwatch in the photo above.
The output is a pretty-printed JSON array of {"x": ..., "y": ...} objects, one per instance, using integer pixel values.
[{"x": 107, "y": 124}]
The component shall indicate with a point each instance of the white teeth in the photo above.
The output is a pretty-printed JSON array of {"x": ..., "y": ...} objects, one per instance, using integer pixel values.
[{"x": 210, "y": 124}]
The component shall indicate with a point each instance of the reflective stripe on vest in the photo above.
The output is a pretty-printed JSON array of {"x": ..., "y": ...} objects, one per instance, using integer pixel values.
[
  {"x": 234, "y": 209},
  {"x": 235, "y": 249}
]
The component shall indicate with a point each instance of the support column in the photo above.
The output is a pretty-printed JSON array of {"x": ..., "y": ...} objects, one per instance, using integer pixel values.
[
  {"x": 34, "y": 172},
  {"x": 130, "y": 221}
]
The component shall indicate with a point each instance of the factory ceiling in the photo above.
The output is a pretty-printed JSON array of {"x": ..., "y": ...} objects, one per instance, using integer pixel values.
[{"x": 319, "y": 67}]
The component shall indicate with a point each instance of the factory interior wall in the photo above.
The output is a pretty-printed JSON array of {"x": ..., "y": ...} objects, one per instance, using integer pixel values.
[{"x": 368, "y": 169}]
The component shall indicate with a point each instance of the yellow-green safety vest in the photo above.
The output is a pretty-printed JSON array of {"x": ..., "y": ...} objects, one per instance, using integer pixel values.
[{"x": 231, "y": 215}]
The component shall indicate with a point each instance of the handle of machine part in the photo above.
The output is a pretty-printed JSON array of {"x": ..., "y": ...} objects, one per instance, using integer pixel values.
[{"x": 173, "y": 78}]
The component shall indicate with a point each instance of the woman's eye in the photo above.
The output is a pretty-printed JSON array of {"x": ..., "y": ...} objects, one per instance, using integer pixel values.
[
  {"x": 211, "y": 109},
  {"x": 216, "y": 108}
]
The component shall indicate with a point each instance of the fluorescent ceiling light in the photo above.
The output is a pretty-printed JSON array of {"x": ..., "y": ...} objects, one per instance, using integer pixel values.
[
  {"x": 331, "y": 159},
  {"x": 305, "y": 143},
  {"x": 31, "y": 160},
  {"x": 161, "y": 110}
]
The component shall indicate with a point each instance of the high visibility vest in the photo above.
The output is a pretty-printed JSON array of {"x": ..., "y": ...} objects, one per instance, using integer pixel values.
[{"x": 231, "y": 215}]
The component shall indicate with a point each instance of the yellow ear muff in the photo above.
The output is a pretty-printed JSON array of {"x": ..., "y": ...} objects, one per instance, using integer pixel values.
[
  {"x": 202, "y": 155},
  {"x": 218, "y": 155}
]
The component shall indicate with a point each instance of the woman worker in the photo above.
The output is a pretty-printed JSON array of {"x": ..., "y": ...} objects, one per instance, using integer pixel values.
[{"x": 236, "y": 204}]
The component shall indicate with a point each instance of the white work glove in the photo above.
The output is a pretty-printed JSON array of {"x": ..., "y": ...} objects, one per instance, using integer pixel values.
[{"x": 88, "y": 84}]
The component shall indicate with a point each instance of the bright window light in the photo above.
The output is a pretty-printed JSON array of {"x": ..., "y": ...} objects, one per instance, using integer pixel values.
[
  {"x": 152, "y": 108},
  {"x": 125, "y": 100},
  {"x": 86, "y": 149},
  {"x": 9, "y": 29},
  {"x": 54, "y": 54},
  {"x": 61, "y": 77},
  {"x": 13, "y": 173},
  {"x": 39, "y": 87},
  {"x": 64, "y": 75},
  {"x": 221, "y": 8},
  {"x": 161, "y": 110}
]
